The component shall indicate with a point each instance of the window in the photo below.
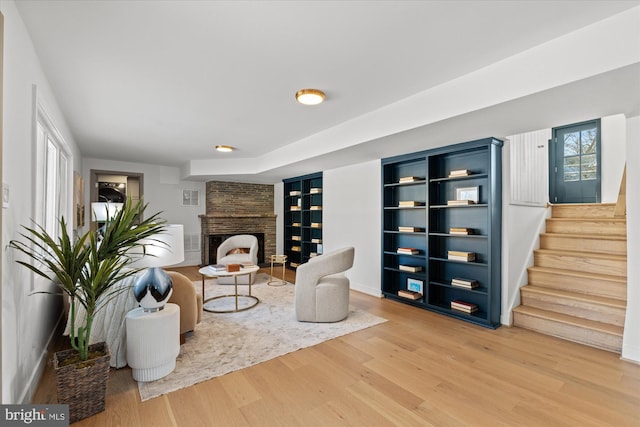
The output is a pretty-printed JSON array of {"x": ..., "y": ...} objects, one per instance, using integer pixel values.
[{"x": 53, "y": 181}]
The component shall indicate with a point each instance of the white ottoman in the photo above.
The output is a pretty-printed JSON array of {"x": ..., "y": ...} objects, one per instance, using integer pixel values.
[{"x": 153, "y": 342}]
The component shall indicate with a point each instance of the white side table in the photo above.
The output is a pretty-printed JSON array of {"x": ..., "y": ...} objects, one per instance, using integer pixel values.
[{"x": 153, "y": 342}]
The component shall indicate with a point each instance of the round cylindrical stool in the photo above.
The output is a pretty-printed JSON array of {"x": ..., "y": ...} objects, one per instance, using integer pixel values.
[{"x": 153, "y": 342}]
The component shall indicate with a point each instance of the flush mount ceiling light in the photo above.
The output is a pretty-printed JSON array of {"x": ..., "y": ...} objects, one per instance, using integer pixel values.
[
  {"x": 310, "y": 96},
  {"x": 224, "y": 148}
]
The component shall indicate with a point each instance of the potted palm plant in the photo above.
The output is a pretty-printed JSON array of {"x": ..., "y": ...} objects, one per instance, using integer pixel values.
[{"x": 87, "y": 271}]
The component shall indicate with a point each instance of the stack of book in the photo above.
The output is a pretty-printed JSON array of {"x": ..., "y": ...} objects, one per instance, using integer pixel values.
[
  {"x": 295, "y": 193},
  {"x": 295, "y": 248},
  {"x": 295, "y": 224},
  {"x": 464, "y": 283},
  {"x": 404, "y": 229},
  {"x": 316, "y": 225},
  {"x": 460, "y": 230},
  {"x": 460, "y": 202},
  {"x": 409, "y": 203},
  {"x": 411, "y": 268},
  {"x": 294, "y": 208},
  {"x": 316, "y": 240},
  {"x": 459, "y": 172},
  {"x": 294, "y": 264},
  {"x": 248, "y": 265},
  {"x": 313, "y": 254},
  {"x": 217, "y": 267},
  {"x": 297, "y": 238},
  {"x": 405, "y": 179},
  {"x": 467, "y": 307},
  {"x": 316, "y": 208},
  {"x": 461, "y": 256},
  {"x": 409, "y": 294},
  {"x": 408, "y": 251},
  {"x": 315, "y": 191}
]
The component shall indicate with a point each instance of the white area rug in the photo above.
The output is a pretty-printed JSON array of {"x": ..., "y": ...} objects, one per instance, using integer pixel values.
[{"x": 223, "y": 343}]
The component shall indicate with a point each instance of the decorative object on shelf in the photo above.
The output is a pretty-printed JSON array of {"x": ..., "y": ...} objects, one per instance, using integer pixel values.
[
  {"x": 415, "y": 285},
  {"x": 459, "y": 173},
  {"x": 408, "y": 251},
  {"x": 405, "y": 229},
  {"x": 410, "y": 268},
  {"x": 464, "y": 283},
  {"x": 409, "y": 294},
  {"x": 460, "y": 230},
  {"x": 406, "y": 179},
  {"x": 153, "y": 287},
  {"x": 468, "y": 193},
  {"x": 461, "y": 256},
  {"x": 464, "y": 306}
]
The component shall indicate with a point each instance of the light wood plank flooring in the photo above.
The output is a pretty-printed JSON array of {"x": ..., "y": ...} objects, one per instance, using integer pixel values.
[{"x": 417, "y": 369}]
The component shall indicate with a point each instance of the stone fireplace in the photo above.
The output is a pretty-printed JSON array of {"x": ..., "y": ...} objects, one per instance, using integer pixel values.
[{"x": 238, "y": 208}]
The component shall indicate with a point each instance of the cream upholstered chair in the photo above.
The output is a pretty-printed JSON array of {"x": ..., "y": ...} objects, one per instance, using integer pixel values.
[
  {"x": 238, "y": 249},
  {"x": 322, "y": 290}
]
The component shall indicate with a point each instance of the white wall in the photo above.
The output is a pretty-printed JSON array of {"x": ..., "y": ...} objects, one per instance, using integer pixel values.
[
  {"x": 631, "y": 338},
  {"x": 28, "y": 321},
  {"x": 351, "y": 217},
  {"x": 162, "y": 192},
  {"x": 613, "y": 139}
]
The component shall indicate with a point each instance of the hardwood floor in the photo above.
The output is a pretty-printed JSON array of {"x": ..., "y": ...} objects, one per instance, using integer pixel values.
[{"x": 417, "y": 369}]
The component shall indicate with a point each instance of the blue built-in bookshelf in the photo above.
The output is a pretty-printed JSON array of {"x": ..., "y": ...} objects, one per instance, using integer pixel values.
[
  {"x": 302, "y": 218},
  {"x": 441, "y": 236}
]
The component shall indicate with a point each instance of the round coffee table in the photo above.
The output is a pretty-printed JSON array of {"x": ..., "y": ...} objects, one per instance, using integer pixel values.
[{"x": 208, "y": 272}]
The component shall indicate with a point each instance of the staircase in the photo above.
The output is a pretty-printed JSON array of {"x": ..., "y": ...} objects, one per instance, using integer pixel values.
[{"x": 578, "y": 285}]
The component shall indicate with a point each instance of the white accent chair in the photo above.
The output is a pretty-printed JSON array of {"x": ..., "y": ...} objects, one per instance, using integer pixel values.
[
  {"x": 322, "y": 290},
  {"x": 240, "y": 241}
]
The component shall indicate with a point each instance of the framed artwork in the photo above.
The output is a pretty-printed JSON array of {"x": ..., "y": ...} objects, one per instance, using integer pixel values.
[
  {"x": 467, "y": 193},
  {"x": 414, "y": 285}
]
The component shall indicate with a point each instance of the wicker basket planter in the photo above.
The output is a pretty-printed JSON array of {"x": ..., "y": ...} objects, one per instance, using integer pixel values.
[{"x": 82, "y": 385}]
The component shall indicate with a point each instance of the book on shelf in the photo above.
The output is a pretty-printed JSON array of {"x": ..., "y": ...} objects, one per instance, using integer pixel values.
[
  {"x": 459, "y": 172},
  {"x": 294, "y": 208},
  {"x": 313, "y": 254},
  {"x": 460, "y": 202},
  {"x": 295, "y": 248},
  {"x": 295, "y": 224},
  {"x": 460, "y": 230},
  {"x": 316, "y": 208},
  {"x": 295, "y": 193},
  {"x": 316, "y": 240},
  {"x": 315, "y": 191},
  {"x": 404, "y": 229},
  {"x": 409, "y": 203},
  {"x": 461, "y": 256},
  {"x": 410, "y": 268},
  {"x": 294, "y": 264},
  {"x": 298, "y": 238},
  {"x": 409, "y": 294},
  {"x": 316, "y": 225},
  {"x": 467, "y": 307},
  {"x": 404, "y": 179},
  {"x": 408, "y": 251},
  {"x": 464, "y": 283}
]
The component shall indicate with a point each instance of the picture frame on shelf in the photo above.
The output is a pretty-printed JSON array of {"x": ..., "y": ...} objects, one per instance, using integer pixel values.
[
  {"x": 468, "y": 193},
  {"x": 415, "y": 285}
]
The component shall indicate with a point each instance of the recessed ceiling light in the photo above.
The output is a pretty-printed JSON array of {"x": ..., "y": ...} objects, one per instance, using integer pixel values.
[
  {"x": 224, "y": 148},
  {"x": 310, "y": 96}
]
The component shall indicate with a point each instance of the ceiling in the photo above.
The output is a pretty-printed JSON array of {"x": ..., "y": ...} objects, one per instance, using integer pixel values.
[{"x": 163, "y": 82}]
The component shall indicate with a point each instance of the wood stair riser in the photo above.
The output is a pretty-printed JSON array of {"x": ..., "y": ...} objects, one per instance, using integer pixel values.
[
  {"x": 602, "y": 210},
  {"x": 573, "y": 307},
  {"x": 560, "y": 241},
  {"x": 581, "y": 284},
  {"x": 594, "y": 226},
  {"x": 593, "y": 338},
  {"x": 615, "y": 266}
]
